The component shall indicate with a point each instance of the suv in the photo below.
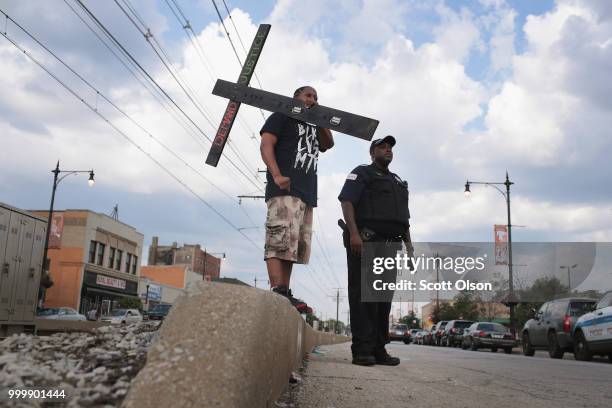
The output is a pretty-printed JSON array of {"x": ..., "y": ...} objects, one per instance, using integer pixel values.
[
  {"x": 453, "y": 332},
  {"x": 159, "y": 312},
  {"x": 399, "y": 332},
  {"x": 593, "y": 331},
  {"x": 552, "y": 326}
]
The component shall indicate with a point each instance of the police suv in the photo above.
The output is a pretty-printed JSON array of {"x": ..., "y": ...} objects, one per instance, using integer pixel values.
[{"x": 593, "y": 331}]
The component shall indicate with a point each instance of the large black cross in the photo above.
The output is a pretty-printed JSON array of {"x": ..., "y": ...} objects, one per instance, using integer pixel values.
[{"x": 240, "y": 92}]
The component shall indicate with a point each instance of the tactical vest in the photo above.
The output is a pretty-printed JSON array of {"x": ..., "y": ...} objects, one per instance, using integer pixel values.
[{"x": 385, "y": 198}]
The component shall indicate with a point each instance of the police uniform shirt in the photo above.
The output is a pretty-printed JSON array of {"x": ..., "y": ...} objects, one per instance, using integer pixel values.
[{"x": 380, "y": 199}]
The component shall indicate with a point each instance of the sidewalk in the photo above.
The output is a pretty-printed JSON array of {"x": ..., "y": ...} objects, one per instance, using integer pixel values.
[{"x": 330, "y": 380}]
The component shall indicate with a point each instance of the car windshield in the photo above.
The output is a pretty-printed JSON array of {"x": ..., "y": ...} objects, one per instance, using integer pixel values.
[
  {"x": 160, "y": 308},
  {"x": 48, "y": 312},
  {"x": 462, "y": 325},
  {"x": 492, "y": 327},
  {"x": 580, "y": 308},
  {"x": 118, "y": 312},
  {"x": 401, "y": 327}
]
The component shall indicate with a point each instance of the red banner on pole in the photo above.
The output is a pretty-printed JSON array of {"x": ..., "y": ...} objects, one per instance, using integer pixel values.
[{"x": 501, "y": 244}]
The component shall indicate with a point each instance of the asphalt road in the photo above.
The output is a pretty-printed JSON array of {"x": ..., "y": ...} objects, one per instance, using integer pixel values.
[{"x": 450, "y": 377}]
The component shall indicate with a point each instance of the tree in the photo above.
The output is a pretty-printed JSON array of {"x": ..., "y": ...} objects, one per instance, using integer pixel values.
[
  {"x": 465, "y": 306},
  {"x": 130, "y": 303},
  {"x": 411, "y": 321},
  {"x": 311, "y": 318}
]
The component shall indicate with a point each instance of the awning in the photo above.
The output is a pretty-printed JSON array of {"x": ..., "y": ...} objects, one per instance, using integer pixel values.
[{"x": 109, "y": 292}]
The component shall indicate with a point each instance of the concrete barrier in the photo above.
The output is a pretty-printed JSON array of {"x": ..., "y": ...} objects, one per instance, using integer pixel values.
[
  {"x": 224, "y": 346},
  {"x": 50, "y": 326}
]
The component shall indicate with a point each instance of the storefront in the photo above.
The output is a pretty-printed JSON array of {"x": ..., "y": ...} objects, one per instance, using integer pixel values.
[{"x": 103, "y": 293}]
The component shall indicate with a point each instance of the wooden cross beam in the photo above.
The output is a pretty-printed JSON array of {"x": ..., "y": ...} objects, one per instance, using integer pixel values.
[
  {"x": 248, "y": 68},
  {"x": 238, "y": 93}
]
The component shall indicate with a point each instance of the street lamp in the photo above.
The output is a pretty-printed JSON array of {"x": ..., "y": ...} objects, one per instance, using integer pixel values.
[
  {"x": 569, "y": 279},
  {"x": 56, "y": 172},
  {"x": 511, "y": 301}
]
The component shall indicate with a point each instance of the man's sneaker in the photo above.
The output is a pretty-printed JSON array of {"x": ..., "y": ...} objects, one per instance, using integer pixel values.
[
  {"x": 383, "y": 358},
  {"x": 364, "y": 360},
  {"x": 299, "y": 304}
]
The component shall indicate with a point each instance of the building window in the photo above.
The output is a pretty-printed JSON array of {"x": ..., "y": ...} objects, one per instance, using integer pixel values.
[
  {"x": 134, "y": 265},
  {"x": 118, "y": 260},
  {"x": 101, "y": 248},
  {"x": 111, "y": 258},
  {"x": 128, "y": 262},
  {"x": 92, "y": 251}
]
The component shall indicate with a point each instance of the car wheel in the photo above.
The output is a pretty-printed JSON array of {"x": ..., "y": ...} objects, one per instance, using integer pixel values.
[
  {"x": 473, "y": 347},
  {"x": 581, "y": 348},
  {"x": 508, "y": 350},
  {"x": 406, "y": 341},
  {"x": 528, "y": 349},
  {"x": 610, "y": 357},
  {"x": 554, "y": 351},
  {"x": 463, "y": 346},
  {"x": 494, "y": 349}
]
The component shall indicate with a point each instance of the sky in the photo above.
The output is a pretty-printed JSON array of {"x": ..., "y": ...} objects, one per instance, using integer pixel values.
[{"x": 471, "y": 90}]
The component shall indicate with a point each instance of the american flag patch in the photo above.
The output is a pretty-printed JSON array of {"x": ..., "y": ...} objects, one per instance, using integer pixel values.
[{"x": 351, "y": 176}]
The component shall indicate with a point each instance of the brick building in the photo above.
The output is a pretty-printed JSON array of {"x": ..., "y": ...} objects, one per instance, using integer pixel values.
[{"x": 193, "y": 256}]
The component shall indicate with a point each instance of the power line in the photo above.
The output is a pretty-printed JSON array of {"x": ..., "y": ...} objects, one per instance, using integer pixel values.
[
  {"x": 193, "y": 38},
  {"x": 172, "y": 69},
  {"x": 231, "y": 43},
  {"x": 130, "y": 57},
  {"x": 125, "y": 136},
  {"x": 240, "y": 39},
  {"x": 324, "y": 248},
  {"x": 153, "y": 91}
]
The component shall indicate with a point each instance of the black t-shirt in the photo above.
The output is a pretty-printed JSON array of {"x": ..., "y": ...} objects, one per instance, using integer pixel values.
[
  {"x": 353, "y": 191},
  {"x": 297, "y": 154}
]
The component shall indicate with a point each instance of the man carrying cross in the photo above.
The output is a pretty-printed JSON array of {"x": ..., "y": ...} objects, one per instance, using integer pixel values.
[{"x": 290, "y": 149}]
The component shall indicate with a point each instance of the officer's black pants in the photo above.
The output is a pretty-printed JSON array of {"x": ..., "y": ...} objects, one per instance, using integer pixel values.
[{"x": 369, "y": 320}]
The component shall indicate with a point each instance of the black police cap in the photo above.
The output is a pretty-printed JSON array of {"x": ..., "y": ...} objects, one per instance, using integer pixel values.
[{"x": 377, "y": 142}]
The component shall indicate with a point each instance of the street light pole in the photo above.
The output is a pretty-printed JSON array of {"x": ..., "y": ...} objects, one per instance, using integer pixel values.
[
  {"x": 569, "y": 278},
  {"x": 56, "y": 172},
  {"x": 511, "y": 301}
]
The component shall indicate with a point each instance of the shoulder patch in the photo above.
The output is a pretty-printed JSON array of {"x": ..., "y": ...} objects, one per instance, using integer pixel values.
[{"x": 351, "y": 176}]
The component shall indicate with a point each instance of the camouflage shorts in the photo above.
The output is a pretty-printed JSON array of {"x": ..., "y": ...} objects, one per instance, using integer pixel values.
[{"x": 288, "y": 229}]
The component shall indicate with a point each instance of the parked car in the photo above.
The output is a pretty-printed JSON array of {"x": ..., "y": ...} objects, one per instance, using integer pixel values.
[
  {"x": 418, "y": 337},
  {"x": 413, "y": 333},
  {"x": 123, "y": 316},
  {"x": 552, "y": 326},
  {"x": 453, "y": 332},
  {"x": 400, "y": 332},
  {"x": 437, "y": 338},
  {"x": 159, "y": 312},
  {"x": 488, "y": 335},
  {"x": 59, "y": 313},
  {"x": 465, "y": 336},
  {"x": 593, "y": 331},
  {"x": 429, "y": 335}
]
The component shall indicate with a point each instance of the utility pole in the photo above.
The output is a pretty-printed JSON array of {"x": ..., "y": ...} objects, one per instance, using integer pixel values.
[{"x": 336, "y": 329}]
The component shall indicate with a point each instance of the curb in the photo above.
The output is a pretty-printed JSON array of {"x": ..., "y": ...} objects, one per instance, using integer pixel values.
[{"x": 225, "y": 345}]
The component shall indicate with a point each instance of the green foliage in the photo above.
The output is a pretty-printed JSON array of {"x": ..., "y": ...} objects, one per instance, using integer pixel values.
[
  {"x": 411, "y": 321},
  {"x": 130, "y": 303},
  {"x": 331, "y": 324}
]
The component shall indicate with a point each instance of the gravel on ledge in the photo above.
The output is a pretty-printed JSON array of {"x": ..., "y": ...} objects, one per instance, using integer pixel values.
[{"x": 94, "y": 370}]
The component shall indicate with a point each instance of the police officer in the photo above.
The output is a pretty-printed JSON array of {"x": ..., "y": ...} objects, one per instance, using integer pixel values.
[{"x": 375, "y": 208}]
